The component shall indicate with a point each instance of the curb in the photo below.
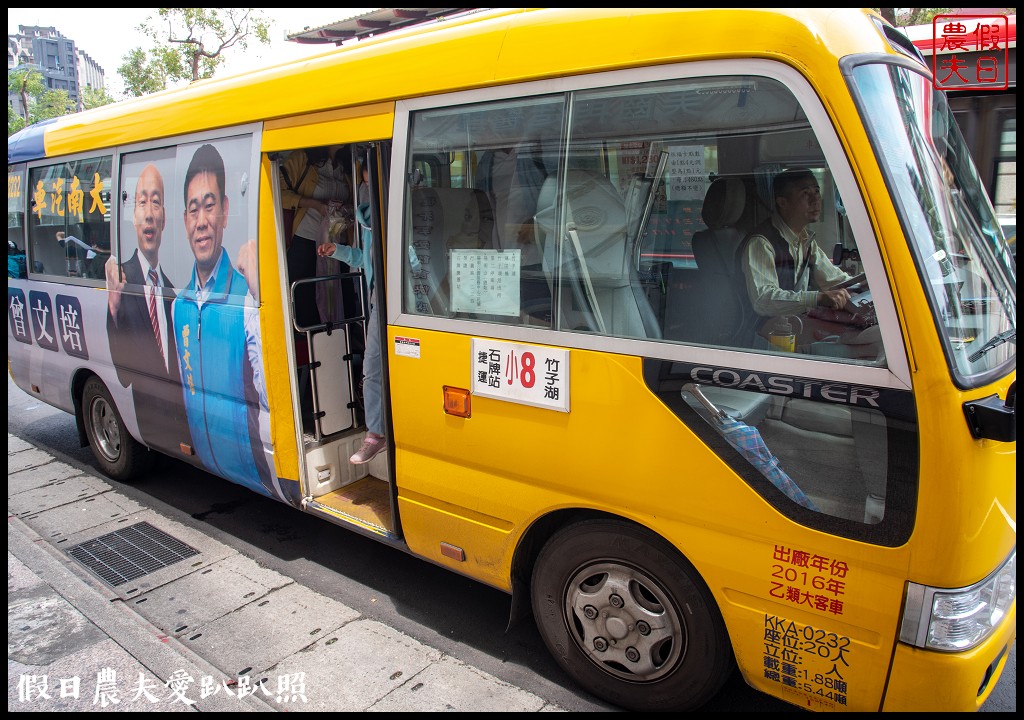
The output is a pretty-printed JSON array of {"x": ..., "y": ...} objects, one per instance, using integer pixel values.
[{"x": 162, "y": 655}]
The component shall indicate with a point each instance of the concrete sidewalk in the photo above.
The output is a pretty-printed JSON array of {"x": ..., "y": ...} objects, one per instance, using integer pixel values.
[{"x": 204, "y": 629}]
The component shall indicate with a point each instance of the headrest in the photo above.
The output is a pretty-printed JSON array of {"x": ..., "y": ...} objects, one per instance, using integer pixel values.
[{"x": 723, "y": 203}]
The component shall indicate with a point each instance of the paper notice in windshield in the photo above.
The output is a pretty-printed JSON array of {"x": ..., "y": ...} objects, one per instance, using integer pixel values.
[{"x": 485, "y": 282}]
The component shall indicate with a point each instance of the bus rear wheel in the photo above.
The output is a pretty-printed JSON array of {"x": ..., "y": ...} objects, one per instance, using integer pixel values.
[
  {"x": 629, "y": 618},
  {"x": 119, "y": 455}
]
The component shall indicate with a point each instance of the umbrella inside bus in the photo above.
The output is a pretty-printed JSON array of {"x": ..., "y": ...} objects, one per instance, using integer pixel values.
[{"x": 748, "y": 442}]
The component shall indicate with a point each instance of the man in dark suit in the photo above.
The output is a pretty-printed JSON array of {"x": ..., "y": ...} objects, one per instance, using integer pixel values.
[{"x": 140, "y": 327}]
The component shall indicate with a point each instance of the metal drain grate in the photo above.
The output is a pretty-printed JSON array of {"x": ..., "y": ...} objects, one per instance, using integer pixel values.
[{"x": 130, "y": 553}]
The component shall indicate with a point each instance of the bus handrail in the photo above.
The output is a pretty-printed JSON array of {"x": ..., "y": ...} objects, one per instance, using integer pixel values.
[{"x": 328, "y": 326}]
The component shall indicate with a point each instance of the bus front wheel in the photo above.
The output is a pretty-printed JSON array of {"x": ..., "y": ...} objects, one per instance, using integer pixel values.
[
  {"x": 629, "y": 618},
  {"x": 119, "y": 455}
]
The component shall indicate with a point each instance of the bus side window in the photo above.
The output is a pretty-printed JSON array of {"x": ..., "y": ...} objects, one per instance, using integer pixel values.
[
  {"x": 830, "y": 458},
  {"x": 499, "y": 153},
  {"x": 69, "y": 218}
]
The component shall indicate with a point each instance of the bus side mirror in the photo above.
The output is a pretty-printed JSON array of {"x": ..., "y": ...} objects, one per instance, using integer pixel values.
[{"x": 993, "y": 419}]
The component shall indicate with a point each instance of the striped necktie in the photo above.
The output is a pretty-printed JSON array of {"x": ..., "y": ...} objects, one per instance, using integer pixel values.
[{"x": 154, "y": 288}]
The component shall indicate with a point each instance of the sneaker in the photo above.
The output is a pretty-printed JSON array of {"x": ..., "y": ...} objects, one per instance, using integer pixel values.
[{"x": 371, "y": 446}]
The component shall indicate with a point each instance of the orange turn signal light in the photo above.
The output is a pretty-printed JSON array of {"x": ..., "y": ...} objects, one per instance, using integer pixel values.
[{"x": 456, "y": 401}]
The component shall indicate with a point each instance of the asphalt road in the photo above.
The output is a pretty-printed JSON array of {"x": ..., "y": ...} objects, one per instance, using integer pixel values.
[{"x": 453, "y": 614}]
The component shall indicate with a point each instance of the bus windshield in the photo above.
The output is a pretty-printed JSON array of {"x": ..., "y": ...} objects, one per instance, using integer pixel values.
[{"x": 966, "y": 265}]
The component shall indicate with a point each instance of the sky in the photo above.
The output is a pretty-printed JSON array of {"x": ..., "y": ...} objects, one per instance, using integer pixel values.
[{"x": 107, "y": 34}]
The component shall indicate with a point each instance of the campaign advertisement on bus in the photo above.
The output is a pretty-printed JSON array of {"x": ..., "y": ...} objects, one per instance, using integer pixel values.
[{"x": 178, "y": 326}]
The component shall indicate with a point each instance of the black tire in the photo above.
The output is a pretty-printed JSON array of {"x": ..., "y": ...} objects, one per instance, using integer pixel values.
[
  {"x": 119, "y": 455},
  {"x": 629, "y": 618}
]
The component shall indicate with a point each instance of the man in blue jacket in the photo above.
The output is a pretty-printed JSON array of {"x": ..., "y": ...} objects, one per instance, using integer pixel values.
[{"x": 220, "y": 358}]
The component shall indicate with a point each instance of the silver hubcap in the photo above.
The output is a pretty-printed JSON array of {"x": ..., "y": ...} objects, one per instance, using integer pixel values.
[
  {"x": 623, "y": 621},
  {"x": 104, "y": 424}
]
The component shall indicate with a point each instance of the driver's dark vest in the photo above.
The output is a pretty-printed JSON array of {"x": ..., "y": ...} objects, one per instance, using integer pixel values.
[{"x": 785, "y": 266}]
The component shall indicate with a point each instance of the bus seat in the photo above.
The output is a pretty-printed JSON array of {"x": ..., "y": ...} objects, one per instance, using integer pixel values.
[
  {"x": 467, "y": 217},
  {"x": 870, "y": 440},
  {"x": 816, "y": 444},
  {"x": 724, "y": 306},
  {"x": 544, "y": 234},
  {"x": 715, "y": 249},
  {"x": 74, "y": 250},
  {"x": 598, "y": 254},
  {"x": 599, "y": 215},
  {"x": 97, "y": 236},
  {"x": 544, "y": 223},
  {"x": 446, "y": 219},
  {"x": 637, "y": 194}
]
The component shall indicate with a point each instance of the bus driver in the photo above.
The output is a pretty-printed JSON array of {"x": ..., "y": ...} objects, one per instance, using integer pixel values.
[{"x": 780, "y": 257}]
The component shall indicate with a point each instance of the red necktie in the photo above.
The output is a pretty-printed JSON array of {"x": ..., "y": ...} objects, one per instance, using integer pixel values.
[{"x": 152, "y": 313}]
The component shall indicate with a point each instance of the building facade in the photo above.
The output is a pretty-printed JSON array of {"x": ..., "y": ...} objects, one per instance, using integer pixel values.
[{"x": 63, "y": 66}]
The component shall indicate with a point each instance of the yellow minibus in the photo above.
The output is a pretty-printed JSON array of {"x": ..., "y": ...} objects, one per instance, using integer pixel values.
[{"x": 697, "y": 332}]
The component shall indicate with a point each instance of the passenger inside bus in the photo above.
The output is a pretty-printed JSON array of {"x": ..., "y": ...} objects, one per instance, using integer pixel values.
[
  {"x": 316, "y": 184},
  {"x": 16, "y": 266},
  {"x": 360, "y": 257}
]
